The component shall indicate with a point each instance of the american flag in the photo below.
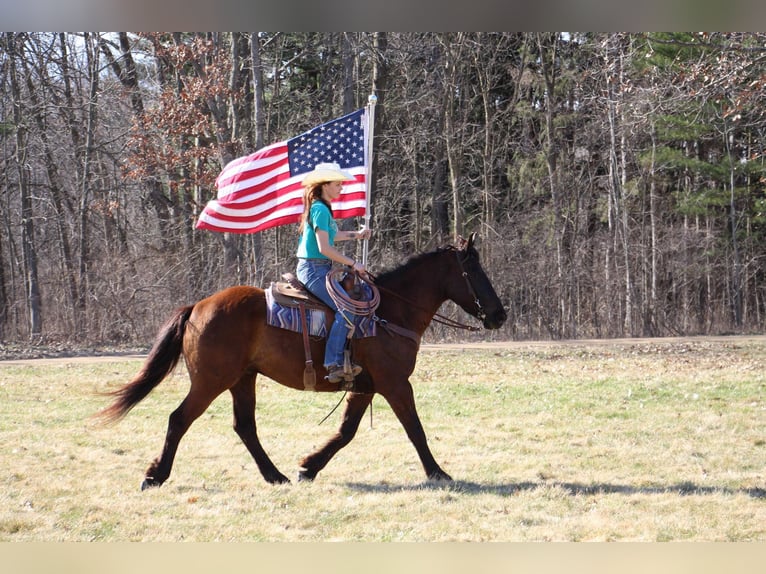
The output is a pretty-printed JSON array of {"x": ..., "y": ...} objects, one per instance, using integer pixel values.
[{"x": 263, "y": 189}]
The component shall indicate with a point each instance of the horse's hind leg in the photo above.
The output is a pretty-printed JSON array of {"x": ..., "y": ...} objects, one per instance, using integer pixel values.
[
  {"x": 356, "y": 404},
  {"x": 178, "y": 423},
  {"x": 243, "y": 395}
]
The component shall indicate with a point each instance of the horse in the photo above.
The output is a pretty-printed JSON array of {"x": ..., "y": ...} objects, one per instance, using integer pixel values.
[{"x": 226, "y": 343}]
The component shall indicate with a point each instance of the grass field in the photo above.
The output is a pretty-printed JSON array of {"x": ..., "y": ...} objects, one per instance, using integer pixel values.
[{"x": 658, "y": 440}]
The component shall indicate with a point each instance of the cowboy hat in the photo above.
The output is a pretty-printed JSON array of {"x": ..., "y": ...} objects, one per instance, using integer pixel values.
[{"x": 324, "y": 172}]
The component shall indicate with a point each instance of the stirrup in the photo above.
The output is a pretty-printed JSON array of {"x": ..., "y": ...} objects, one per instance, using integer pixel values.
[
  {"x": 337, "y": 374},
  {"x": 345, "y": 374}
]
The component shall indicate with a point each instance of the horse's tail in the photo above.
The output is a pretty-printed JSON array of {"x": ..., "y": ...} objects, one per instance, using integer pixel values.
[{"x": 160, "y": 362}]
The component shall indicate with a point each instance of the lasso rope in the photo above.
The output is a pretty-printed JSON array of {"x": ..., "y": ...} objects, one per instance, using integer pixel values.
[{"x": 347, "y": 304}]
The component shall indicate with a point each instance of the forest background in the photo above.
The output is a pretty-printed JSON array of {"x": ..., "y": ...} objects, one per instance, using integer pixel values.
[{"x": 617, "y": 181}]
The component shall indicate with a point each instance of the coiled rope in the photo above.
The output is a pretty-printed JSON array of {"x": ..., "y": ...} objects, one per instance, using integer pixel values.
[{"x": 348, "y": 304}]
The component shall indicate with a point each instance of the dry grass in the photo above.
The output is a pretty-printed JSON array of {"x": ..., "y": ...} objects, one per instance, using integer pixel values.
[{"x": 649, "y": 441}]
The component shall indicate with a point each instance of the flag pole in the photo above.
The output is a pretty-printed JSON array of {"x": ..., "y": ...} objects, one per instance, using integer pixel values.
[{"x": 371, "y": 101}]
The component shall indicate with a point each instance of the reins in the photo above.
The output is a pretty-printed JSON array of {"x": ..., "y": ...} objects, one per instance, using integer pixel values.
[{"x": 438, "y": 317}]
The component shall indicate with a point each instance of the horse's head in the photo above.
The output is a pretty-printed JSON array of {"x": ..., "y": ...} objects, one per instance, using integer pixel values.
[{"x": 474, "y": 292}]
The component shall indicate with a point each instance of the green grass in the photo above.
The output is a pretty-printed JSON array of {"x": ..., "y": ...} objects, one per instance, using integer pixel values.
[{"x": 652, "y": 441}]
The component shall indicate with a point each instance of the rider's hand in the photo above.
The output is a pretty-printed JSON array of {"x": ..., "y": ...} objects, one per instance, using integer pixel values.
[
  {"x": 359, "y": 269},
  {"x": 364, "y": 233}
]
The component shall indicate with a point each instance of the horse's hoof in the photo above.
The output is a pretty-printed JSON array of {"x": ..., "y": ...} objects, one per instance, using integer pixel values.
[
  {"x": 277, "y": 478},
  {"x": 149, "y": 482},
  {"x": 304, "y": 476},
  {"x": 439, "y": 477}
]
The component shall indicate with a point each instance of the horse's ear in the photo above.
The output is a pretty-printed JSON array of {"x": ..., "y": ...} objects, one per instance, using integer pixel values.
[{"x": 464, "y": 244}]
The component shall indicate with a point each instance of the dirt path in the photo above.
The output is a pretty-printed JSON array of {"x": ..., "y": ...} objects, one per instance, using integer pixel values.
[
  {"x": 430, "y": 347},
  {"x": 66, "y": 360}
]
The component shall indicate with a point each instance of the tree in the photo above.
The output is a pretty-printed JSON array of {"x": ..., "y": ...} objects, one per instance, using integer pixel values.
[{"x": 12, "y": 46}]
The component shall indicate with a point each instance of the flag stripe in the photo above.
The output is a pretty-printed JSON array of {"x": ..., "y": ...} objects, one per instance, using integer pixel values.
[
  {"x": 216, "y": 221},
  {"x": 348, "y": 205},
  {"x": 257, "y": 172}
]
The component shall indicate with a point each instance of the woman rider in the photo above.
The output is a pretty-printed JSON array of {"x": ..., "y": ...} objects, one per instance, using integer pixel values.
[{"x": 316, "y": 253}]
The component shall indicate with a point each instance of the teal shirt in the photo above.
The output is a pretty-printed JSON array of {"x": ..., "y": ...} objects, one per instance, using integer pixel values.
[{"x": 320, "y": 217}]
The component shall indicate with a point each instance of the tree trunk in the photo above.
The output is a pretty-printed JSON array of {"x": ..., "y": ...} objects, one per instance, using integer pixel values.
[
  {"x": 548, "y": 47},
  {"x": 91, "y": 49},
  {"x": 652, "y": 311},
  {"x": 379, "y": 88},
  {"x": 452, "y": 139},
  {"x": 29, "y": 250},
  {"x": 57, "y": 194},
  {"x": 736, "y": 270},
  {"x": 614, "y": 73},
  {"x": 347, "y": 61}
]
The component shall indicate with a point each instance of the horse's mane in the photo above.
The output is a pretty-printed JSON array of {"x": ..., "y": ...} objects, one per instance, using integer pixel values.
[{"x": 413, "y": 261}]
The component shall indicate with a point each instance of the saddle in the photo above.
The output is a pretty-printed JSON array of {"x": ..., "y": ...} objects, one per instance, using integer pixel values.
[
  {"x": 291, "y": 306},
  {"x": 285, "y": 297},
  {"x": 292, "y": 293}
]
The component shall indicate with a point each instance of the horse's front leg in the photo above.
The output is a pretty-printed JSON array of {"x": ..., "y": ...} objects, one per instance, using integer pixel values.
[
  {"x": 356, "y": 404},
  {"x": 402, "y": 401}
]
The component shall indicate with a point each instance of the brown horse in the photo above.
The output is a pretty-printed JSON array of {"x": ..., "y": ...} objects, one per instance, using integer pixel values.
[{"x": 226, "y": 343}]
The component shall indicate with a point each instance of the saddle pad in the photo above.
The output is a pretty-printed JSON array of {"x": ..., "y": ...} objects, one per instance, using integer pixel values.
[{"x": 287, "y": 315}]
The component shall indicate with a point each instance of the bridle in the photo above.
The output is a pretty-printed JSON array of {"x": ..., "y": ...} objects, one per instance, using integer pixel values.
[{"x": 480, "y": 314}]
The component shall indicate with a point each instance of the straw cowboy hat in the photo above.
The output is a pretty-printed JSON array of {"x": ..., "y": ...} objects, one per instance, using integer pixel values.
[{"x": 324, "y": 172}]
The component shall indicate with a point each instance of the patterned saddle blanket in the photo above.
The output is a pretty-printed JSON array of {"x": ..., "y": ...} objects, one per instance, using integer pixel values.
[{"x": 283, "y": 309}]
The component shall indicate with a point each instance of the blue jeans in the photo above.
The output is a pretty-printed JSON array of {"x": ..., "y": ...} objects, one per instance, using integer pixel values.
[{"x": 312, "y": 273}]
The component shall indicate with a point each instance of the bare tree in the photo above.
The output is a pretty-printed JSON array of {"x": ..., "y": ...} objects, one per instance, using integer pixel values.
[{"x": 29, "y": 249}]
